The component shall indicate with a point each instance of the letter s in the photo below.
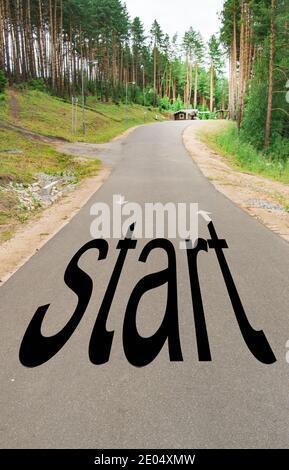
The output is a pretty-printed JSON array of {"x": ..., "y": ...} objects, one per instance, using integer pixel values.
[{"x": 37, "y": 349}]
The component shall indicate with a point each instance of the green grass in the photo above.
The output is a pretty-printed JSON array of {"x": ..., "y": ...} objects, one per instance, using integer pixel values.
[
  {"x": 21, "y": 157},
  {"x": 45, "y": 114},
  {"x": 28, "y": 158},
  {"x": 4, "y": 108},
  {"x": 242, "y": 155}
]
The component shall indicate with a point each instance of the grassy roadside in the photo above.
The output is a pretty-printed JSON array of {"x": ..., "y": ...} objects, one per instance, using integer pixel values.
[
  {"x": 243, "y": 156},
  {"x": 22, "y": 157},
  {"x": 50, "y": 116}
]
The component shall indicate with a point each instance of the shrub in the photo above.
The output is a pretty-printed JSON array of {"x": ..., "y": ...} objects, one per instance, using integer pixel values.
[
  {"x": 279, "y": 149},
  {"x": 178, "y": 105},
  {"x": 164, "y": 103},
  {"x": 3, "y": 82},
  {"x": 37, "y": 84},
  {"x": 273, "y": 163}
]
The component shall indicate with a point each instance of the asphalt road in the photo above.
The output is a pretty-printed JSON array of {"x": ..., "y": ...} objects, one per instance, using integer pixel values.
[{"x": 233, "y": 401}]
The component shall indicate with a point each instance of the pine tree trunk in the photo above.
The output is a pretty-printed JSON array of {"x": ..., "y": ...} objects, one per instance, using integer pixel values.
[
  {"x": 234, "y": 67},
  {"x": 61, "y": 51},
  {"x": 43, "y": 41},
  {"x": 174, "y": 91},
  {"x": 17, "y": 42},
  {"x": 190, "y": 84},
  {"x": 143, "y": 83},
  {"x": 170, "y": 81},
  {"x": 23, "y": 45},
  {"x": 55, "y": 55},
  {"x": 211, "y": 89},
  {"x": 6, "y": 42},
  {"x": 241, "y": 68},
  {"x": 69, "y": 61},
  {"x": 155, "y": 73},
  {"x": 196, "y": 86},
  {"x": 30, "y": 42},
  {"x": 231, "y": 84},
  {"x": 114, "y": 69},
  {"x": 2, "y": 60},
  {"x": 52, "y": 48},
  {"x": 107, "y": 75},
  {"x": 270, "y": 84},
  {"x": 13, "y": 51},
  {"x": 186, "y": 91},
  {"x": 40, "y": 43},
  {"x": 233, "y": 71},
  {"x": 121, "y": 72}
]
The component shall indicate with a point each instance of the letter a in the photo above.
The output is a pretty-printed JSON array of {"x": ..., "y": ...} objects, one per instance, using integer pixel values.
[{"x": 142, "y": 351}]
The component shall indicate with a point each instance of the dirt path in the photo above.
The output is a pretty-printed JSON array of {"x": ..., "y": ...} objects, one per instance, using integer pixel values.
[
  {"x": 89, "y": 150},
  {"x": 241, "y": 188},
  {"x": 14, "y": 105},
  {"x": 260, "y": 197},
  {"x": 14, "y": 125},
  {"x": 32, "y": 135},
  {"x": 30, "y": 237},
  {"x": 234, "y": 401}
]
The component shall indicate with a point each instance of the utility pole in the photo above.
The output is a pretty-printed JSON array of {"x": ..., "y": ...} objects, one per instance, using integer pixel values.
[
  {"x": 74, "y": 102},
  {"x": 143, "y": 92},
  {"x": 83, "y": 93},
  {"x": 83, "y": 98},
  {"x": 126, "y": 103}
]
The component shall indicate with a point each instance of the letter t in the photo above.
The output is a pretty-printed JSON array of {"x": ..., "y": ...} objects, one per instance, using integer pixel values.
[{"x": 255, "y": 340}]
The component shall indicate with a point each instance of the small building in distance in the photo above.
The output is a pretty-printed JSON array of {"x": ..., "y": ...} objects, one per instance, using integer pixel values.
[{"x": 186, "y": 114}]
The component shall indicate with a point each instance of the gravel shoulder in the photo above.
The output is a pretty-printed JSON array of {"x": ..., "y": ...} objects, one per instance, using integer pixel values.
[
  {"x": 262, "y": 198},
  {"x": 258, "y": 196},
  {"x": 30, "y": 237},
  {"x": 59, "y": 198}
]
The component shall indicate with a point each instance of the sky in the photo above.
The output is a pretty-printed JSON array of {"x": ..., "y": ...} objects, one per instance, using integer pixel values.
[{"x": 178, "y": 15}]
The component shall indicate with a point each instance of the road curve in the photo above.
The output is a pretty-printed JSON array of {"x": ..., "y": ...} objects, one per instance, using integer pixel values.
[{"x": 232, "y": 402}]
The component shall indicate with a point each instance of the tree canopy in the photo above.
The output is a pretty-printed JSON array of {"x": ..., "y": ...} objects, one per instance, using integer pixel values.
[{"x": 59, "y": 41}]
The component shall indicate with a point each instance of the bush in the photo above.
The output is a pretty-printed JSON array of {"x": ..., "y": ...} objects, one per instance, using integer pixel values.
[
  {"x": 255, "y": 114},
  {"x": 178, "y": 105},
  {"x": 164, "y": 103},
  {"x": 242, "y": 153},
  {"x": 37, "y": 84},
  {"x": 3, "y": 82},
  {"x": 21, "y": 86},
  {"x": 279, "y": 149}
]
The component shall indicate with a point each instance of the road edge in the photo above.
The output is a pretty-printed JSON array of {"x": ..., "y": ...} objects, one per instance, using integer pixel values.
[
  {"x": 32, "y": 236},
  {"x": 271, "y": 221}
]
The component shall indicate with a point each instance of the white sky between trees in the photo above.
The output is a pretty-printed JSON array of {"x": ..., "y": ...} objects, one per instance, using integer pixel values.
[{"x": 176, "y": 16}]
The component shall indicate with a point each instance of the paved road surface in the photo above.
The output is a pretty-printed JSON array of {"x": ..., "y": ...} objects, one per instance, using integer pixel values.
[{"x": 234, "y": 401}]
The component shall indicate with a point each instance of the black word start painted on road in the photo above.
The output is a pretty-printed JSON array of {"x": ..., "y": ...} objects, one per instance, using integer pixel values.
[{"x": 37, "y": 349}]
